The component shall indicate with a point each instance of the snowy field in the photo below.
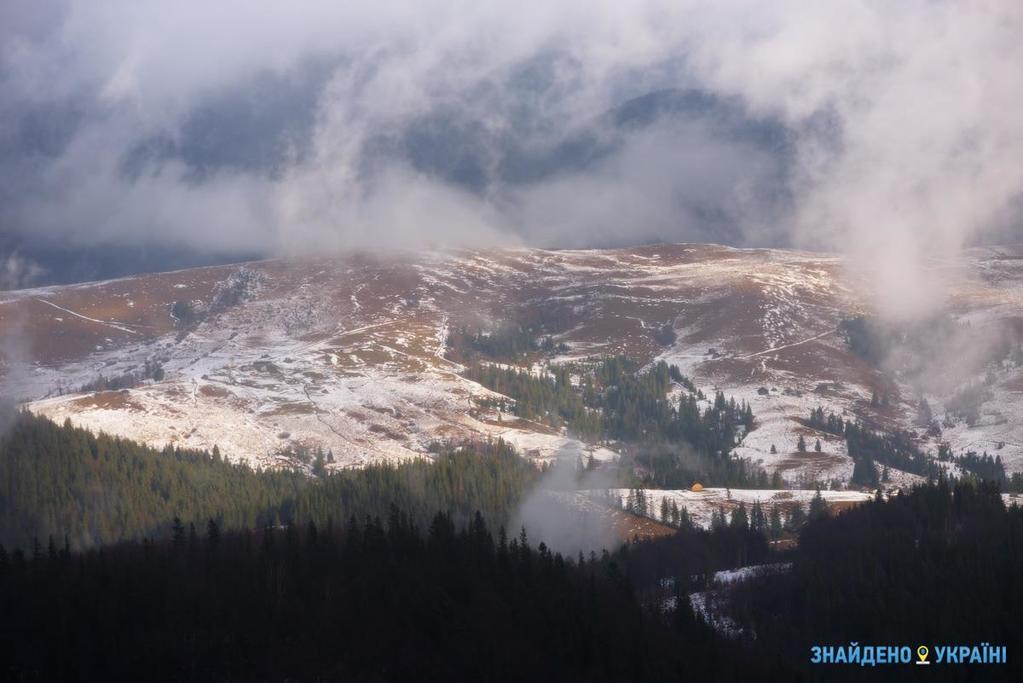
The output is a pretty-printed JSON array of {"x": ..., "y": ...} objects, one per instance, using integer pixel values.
[{"x": 703, "y": 504}]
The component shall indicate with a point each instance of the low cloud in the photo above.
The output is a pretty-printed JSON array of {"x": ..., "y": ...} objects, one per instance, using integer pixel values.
[
  {"x": 18, "y": 272},
  {"x": 889, "y": 132},
  {"x": 556, "y": 514}
]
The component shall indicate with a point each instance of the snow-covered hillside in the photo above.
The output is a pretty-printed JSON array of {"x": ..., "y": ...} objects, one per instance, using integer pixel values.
[{"x": 348, "y": 353}]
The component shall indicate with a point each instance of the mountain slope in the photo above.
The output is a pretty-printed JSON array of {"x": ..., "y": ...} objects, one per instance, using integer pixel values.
[{"x": 349, "y": 353}]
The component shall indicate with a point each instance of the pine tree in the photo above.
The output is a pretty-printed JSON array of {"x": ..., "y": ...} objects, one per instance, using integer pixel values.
[
  {"x": 319, "y": 464},
  {"x": 758, "y": 522},
  {"x": 776, "y": 528},
  {"x": 801, "y": 444},
  {"x": 796, "y": 518},
  {"x": 684, "y": 520},
  {"x": 817, "y": 446},
  {"x": 717, "y": 520},
  {"x": 212, "y": 534},
  {"x": 865, "y": 472},
  {"x": 818, "y": 508},
  {"x": 178, "y": 533},
  {"x": 740, "y": 519}
]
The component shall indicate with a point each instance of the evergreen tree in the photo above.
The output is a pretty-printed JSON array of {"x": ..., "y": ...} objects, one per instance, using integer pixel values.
[
  {"x": 796, "y": 518},
  {"x": 865, "y": 472},
  {"x": 717, "y": 520},
  {"x": 684, "y": 520},
  {"x": 642, "y": 507},
  {"x": 740, "y": 519},
  {"x": 319, "y": 468},
  {"x": 97, "y": 489},
  {"x": 818, "y": 508},
  {"x": 178, "y": 532},
  {"x": 212, "y": 534},
  {"x": 758, "y": 521},
  {"x": 776, "y": 526}
]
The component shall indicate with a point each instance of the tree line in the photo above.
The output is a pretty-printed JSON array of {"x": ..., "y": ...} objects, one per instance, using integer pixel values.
[
  {"x": 62, "y": 481},
  {"x": 868, "y": 446},
  {"x": 364, "y": 601},
  {"x": 671, "y": 441},
  {"x": 940, "y": 564}
]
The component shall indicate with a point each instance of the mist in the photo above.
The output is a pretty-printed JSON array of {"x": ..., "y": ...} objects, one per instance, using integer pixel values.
[
  {"x": 12, "y": 370},
  {"x": 887, "y": 132},
  {"x": 555, "y": 513}
]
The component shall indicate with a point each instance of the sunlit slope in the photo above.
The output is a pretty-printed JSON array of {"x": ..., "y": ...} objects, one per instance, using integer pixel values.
[{"x": 349, "y": 353}]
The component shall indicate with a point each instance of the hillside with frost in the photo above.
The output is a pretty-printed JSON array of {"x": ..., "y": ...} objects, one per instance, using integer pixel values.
[{"x": 349, "y": 354}]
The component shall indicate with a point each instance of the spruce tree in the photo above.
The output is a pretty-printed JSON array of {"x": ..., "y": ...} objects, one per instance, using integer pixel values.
[
  {"x": 178, "y": 532},
  {"x": 758, "y": 522},
  {"x": 796, "y": 518},
  {"x": 740, "y": 519},
  {"x": 212, "y": 534},
  {"x": 818, "y": 508},
  {"x": 776, "y": 527},
  {"x": 717, "y": 520}
]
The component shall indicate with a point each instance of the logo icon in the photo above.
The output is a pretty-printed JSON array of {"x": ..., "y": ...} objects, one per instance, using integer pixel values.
[{"x": 922, "y": 653}]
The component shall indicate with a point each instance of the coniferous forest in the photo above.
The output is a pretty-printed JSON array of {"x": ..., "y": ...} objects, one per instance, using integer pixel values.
[
  {"x": 67, "y": 483},
  {"x": 367, "y": 601},
  {"x": 673, "y": 440},
  {"x": 412, "y": 572},
  {"x": 939, "y": 565}
]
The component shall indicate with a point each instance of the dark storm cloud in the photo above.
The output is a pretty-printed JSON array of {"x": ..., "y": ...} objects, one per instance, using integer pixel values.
[{"x": 887, "y": 130}]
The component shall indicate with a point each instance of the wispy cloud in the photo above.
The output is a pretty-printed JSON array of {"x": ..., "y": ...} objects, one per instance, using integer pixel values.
[{"x": 290, "y": 126}]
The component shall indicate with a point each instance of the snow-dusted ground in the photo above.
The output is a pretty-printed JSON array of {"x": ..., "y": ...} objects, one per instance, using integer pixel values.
[
  {"x": 347, "y": 352},
  {"x": 711, "y": 603},
  {"x": 703, "y": 504},
  {"x": 548, "y": 447},
  {"x": 728, "y": 576},
  {"x": 360, "y": 373}
]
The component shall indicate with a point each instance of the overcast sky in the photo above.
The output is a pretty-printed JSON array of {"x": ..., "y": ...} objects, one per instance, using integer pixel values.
[{"x": 887, "y": 130}]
